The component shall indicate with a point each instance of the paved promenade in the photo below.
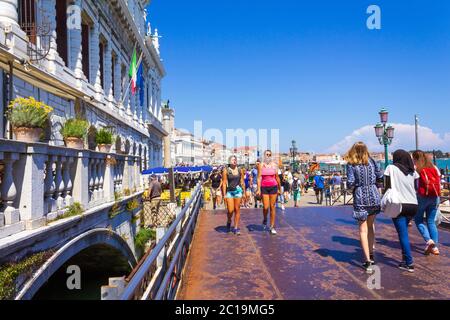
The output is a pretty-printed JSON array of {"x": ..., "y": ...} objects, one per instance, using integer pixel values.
[{"x": 316, "y": 255}]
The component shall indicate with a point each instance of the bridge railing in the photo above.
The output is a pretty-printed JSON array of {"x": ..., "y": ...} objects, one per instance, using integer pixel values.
[
  {"x": 38, "y": 182},
  {"x": 159, "y": 275}
]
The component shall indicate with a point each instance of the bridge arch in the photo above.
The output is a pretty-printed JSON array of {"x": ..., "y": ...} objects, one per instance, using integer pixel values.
[{"x": 92, "y": 238}]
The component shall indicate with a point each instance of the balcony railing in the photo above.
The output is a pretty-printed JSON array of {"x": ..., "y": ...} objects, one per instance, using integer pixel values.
[{"x": 38, "y": 182}]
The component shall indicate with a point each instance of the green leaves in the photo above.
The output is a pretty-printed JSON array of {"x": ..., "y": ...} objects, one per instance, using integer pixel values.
[
  {"x": 104, "y": 136},
  {"x": 75, "y": 128},
  {"x": 27, "y": 112}
]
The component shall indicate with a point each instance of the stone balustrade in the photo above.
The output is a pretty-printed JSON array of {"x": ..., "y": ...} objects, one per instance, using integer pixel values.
[{"x": 38, "y": 182}]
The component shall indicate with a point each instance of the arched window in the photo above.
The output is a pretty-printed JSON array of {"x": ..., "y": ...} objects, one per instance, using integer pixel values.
[
  {"x": 127, "y": 147},
  {"x": 92, "y": 133},
  {"x": 118, "y": 145},
  {"x": 27, "y": 18}
]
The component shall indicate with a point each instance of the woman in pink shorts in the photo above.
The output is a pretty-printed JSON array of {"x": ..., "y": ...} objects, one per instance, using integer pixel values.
[{"x": 269, "y": 188}]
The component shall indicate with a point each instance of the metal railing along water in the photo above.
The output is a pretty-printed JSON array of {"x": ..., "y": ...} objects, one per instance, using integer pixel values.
[{"x": 159, "y": 275}]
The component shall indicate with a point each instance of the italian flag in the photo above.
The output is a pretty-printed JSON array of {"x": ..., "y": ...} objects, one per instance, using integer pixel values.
[{"x": 133, "y": 73}]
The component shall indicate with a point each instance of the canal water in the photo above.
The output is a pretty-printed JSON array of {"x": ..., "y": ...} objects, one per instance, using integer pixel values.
[{"x": 97, "y": 264}]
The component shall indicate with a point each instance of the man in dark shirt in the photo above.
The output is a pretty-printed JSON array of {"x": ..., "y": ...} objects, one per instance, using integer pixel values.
[
  {"x": 216, "y": 184},
  {"x": 154, "y": 191}
]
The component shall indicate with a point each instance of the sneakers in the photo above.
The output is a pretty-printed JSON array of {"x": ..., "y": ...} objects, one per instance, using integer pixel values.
[
  {"x": 367, "y": 266},
  {"x": 430, "y": 247},
  {"x": 372, "y": 260},
  {"x": 283, "y": 207},
  {"x": 264, "y": 223},
  {"x": 403, "y": 266},
  {"x": 273, "y": 231},
  {"x": 435, "y": 251},
  {"x": 237, "y": 231}
]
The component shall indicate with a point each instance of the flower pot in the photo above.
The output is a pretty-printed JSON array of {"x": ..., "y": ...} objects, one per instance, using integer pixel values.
[
  {"x": 74, "y": 143},
  {"x": 105, "y": 148},
  {"x": 30, "y": 135}
]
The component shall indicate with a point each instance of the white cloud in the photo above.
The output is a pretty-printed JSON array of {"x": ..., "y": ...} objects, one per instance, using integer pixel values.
[{"x": 404, "y": 139}]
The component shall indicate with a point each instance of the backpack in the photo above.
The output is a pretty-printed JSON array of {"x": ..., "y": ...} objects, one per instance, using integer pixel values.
[
  {"x": 430, "y": 183},
  {"x": 295, "y": 185}
]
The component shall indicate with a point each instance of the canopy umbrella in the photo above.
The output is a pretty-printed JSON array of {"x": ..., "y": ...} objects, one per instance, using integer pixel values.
[{"x": 157, "y": 171}]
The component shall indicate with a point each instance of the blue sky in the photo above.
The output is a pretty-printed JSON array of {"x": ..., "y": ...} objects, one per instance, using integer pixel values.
[{"x": 309, "y": 68}]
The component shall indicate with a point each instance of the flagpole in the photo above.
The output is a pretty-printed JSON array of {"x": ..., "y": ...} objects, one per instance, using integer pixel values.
[{"x": 129, "y": 83}]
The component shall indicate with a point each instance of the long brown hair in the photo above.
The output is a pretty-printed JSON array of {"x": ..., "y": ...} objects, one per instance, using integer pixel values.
[
  {"x": 422, "y": 160},
  {"x": 358, "y": 154}
]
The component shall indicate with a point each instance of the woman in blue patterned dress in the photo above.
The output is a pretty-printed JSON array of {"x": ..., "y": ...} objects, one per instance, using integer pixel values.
[{"x": 363, "y": 176}]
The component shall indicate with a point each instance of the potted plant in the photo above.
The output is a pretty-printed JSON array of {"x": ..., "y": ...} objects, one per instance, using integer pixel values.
[
  {"x": 74, "y": 132},
  {"x": 28, "y": 117},
  {"x": 104, "y": 140}
]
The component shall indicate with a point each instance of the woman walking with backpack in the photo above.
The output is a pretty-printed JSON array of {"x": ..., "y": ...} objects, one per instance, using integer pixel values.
[
  {"x": 363, "y": 174},
  {"x": 401, "y": 177},
  {"x": 428, "y": 197}
]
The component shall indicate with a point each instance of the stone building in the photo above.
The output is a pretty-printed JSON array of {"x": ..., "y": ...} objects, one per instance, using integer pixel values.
[{"x": 74, "y": 55}]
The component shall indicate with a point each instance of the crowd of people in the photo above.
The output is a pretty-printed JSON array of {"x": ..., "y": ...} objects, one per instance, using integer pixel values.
[{"x": 409, "y": 190}]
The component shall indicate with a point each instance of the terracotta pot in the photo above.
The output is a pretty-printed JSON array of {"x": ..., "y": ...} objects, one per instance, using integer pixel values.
[
  {"x": 74, "y": 143},
  {"x": 30, "y": 135},
  {"x": 105, "y": 148}
]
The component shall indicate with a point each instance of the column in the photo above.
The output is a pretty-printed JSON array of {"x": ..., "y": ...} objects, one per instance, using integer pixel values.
[
  {"x": 50, "y": 187},
  {"x": 74, "y": 34},
  {"x": 9, "y": 12},
  {"x": 107, "y": 71},
  {"x": 49, "y": 9},
  {"x": 59, "y": 182},
  {"x": 67, "y": 194},
  {"x": 117, "y": 79},
  {"x": 9, "y": 191},
  {"x": 95, "y": 57},
  {"x": 80, "y": 192},
  {"x": 128, "y": 99},
  {"x": 111, "y": 176},
  {"x": 32, "y": 205}
]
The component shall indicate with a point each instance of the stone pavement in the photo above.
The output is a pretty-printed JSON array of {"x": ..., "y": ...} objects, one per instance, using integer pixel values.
[{"x": 316, "y": 255}]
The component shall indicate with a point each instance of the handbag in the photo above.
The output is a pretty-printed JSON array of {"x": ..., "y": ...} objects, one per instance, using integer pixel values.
[
  {"x": 390, "y": 203},
  {"x": 439, "y": 217}
]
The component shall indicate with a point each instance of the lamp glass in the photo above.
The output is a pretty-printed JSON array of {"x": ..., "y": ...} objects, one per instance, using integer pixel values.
[
  {"x": 379, "y": 130},
  {"x": 390, "y": 132},
  {"x": 384, "y": 115}
]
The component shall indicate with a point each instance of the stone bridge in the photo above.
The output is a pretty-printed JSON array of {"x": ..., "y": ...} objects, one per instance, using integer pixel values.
[{"x": 40, "y": 183}]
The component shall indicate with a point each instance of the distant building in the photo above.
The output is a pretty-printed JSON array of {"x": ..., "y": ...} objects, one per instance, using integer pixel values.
[
  {"x": 188, "y": 150},
  {"x": 379, "y": 156},
  {"x": 323, "y": 158},
  {"x": 246, "y": 155}
]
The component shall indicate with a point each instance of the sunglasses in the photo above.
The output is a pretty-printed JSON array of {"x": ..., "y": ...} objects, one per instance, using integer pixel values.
[{"x": 268, "y": 155}]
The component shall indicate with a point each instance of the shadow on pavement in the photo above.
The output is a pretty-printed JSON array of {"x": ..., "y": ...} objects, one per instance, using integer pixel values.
[{"x": 255, "y": 227}]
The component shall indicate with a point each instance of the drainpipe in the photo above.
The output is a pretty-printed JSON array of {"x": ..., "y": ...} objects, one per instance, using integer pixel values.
[{"x": 9, "y": 97}]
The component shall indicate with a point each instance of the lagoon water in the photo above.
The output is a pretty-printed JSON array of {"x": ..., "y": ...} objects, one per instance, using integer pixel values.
[{"x": 441, "y": 163}]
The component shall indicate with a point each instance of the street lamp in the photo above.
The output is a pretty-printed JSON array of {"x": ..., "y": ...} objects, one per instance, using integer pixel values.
[
  {"x": 293, "y": 151},
  {"x": 385, "y": 134}
]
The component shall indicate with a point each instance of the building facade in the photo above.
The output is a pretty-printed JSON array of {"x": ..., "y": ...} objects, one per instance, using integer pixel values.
[{"x": 74, "y": 55}]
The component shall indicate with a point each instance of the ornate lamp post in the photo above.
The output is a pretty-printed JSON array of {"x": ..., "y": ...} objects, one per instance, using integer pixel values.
[
  {"x": 385, "y": 134},
  {"x": 293, "y": 151}
]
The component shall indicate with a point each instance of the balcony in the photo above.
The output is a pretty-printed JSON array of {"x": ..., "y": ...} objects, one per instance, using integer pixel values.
[{"x": 38, "y": 182}]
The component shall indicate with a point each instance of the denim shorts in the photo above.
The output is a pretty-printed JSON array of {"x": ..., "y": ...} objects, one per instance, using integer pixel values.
[{"x": 237, "y": 194}]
